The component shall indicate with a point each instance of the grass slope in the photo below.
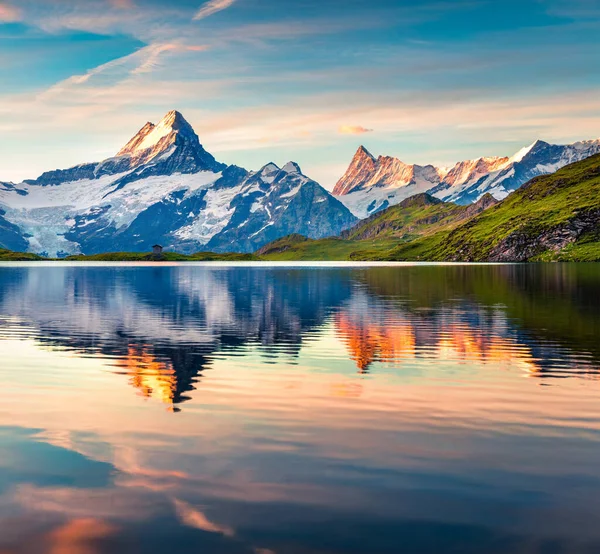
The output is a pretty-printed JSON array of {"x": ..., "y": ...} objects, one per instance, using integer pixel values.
[
  {"x": 331, "y": 249},
  {"x": 375, "y": 237},
  {"x": 414, "y": 217}
]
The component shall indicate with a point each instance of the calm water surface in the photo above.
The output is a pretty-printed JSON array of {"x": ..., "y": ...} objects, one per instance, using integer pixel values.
[{"x": 411, "y": 409}]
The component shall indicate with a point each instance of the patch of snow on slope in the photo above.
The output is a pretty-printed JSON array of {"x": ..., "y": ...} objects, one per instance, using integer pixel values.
[
  {"x": 127, "y": 203},
  {"x": 363, "y": 203},
  {"x": 292, "y": 192},
  {"x": 255, "y": 207},
  {"x": 47, "y": 213},
  {"x": 75, "y": 195},
  {"x": 213, "y": 218},
  {"x": 518, "y": 157},
  {"x": 549, "y": 168},
  {"x": 261, "y": 230},
  {"x": 153, "y": 137},
  {"x": 496, "y": 179}
]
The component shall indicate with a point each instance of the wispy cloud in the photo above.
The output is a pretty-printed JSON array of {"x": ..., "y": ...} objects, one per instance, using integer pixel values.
[
  {"x": 192, "y": 517},
  {"x": 9, "y": 13},
  {"x": 144, "y": 60},
  {"x": 212, "y": 7},
  {"x": 353, "y": 130},
  {"x": 122, "y": 4},
  {"x": 148, "y": 22},
  {"x": 153, "y": 54},
  {"x": 155, "y": 51}
]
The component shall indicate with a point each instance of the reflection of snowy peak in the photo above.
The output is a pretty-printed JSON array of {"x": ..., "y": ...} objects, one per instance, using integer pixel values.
[
  {"x": 163, "y": 186},
  {"x": 371, "y": 184}
]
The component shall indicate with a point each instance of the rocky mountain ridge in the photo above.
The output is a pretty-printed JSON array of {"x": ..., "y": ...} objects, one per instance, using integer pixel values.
[{"x": 372, "y": 184}]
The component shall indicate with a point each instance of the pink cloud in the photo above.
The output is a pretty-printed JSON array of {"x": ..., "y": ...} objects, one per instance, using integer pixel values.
[
  {"x": 9, "y": 13},
  {"x": 78, "y": 536},
  {"x": 353, "y": 130},
  {"x": 195, "y": 518},
  {"x": 122, "y": 4},
  {"x": 197, "y": 48},
  {"x": 212, "y": 7}
]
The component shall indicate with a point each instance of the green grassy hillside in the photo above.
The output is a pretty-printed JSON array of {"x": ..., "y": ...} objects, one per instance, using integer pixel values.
[
  {"x": 332, "y": 249},
  {"x": 375, "y": 237},
  {"x": 415, "y": 217}
]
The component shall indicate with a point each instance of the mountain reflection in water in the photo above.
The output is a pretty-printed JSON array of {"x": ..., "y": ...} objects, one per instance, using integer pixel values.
[{"x": 317, "y": 409}]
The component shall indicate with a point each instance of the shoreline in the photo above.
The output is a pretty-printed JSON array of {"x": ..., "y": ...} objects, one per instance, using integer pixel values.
[{"x": 270, "y": 263}]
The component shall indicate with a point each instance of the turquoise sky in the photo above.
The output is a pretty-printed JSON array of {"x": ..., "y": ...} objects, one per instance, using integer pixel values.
[{"x": 308, "y": 80}]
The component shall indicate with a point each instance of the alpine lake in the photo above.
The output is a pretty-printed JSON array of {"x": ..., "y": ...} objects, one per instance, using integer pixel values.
[{"x": 275, "y": 409}]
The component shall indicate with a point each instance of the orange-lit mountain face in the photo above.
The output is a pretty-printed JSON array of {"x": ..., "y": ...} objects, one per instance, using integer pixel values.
[
  {"x": 172, "y": 137},
  {"x": 366, "y": 171}
]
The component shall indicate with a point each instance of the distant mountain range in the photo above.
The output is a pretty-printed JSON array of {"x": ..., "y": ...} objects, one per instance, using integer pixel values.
[
  {"x": 372, "y": 184},
  {"x": 164, "y": 187},
  {"x": 551, "y": 218}
]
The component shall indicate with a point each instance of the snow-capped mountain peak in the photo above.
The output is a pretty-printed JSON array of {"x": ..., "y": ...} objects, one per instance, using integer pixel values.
[
  {"x": 363, "y": 163},
  {"x": 521, "y": 154},
  {"x": 161, "y": 140},
  {"x": 269, "y": 168},
  {"x": 371, "y": 184},
  {"x": 471, "y": 170},
  {"x": 135, "y": 144},
  {"x": 174, "y": 120},
  {"x": 150, "y": 135},
  {"x": 291, "y": 167},
  {"x": 363, "y": 153}
]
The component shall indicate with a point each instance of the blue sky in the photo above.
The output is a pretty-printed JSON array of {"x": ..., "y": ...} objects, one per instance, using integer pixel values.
[{"x": 308, "y": 80}]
